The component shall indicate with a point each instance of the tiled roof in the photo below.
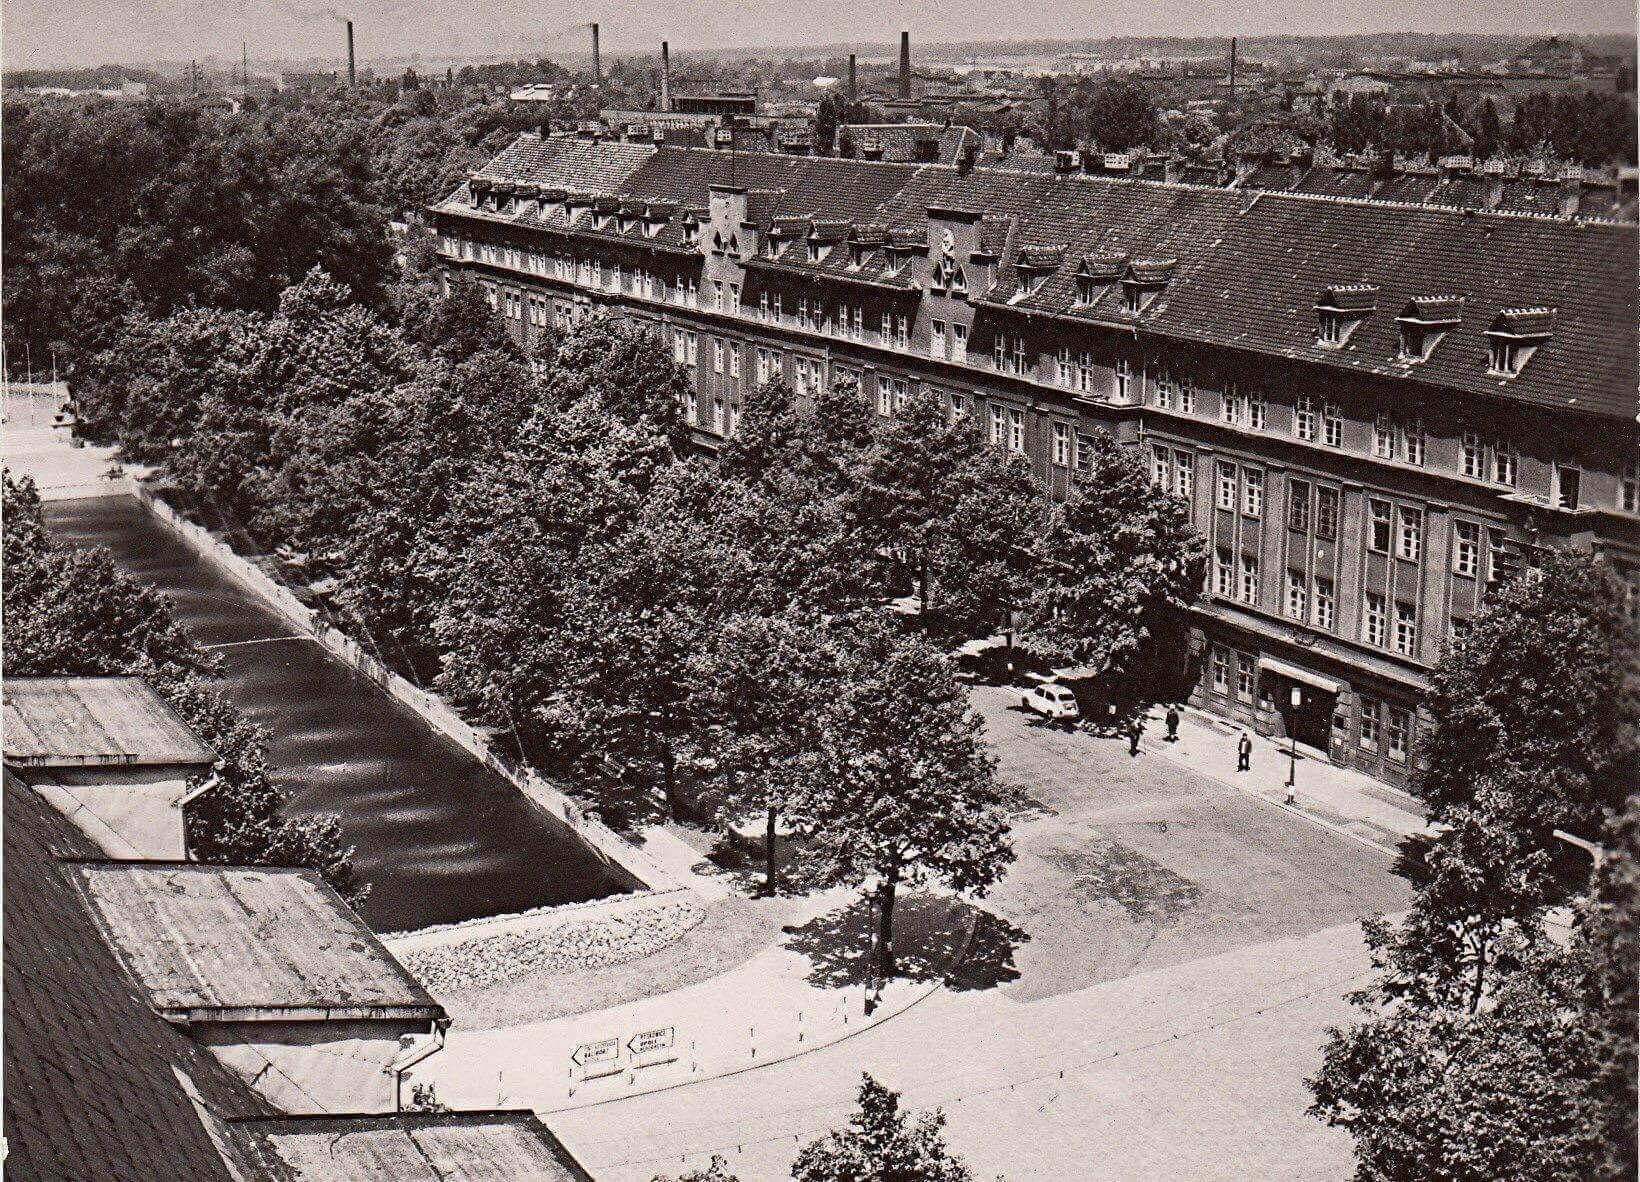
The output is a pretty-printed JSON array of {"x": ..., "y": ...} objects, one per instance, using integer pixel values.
[
  {"x": 1250, "y": 264},
  {"x": 95, "y": 1083},
  {"x": 578, "y": 164}
]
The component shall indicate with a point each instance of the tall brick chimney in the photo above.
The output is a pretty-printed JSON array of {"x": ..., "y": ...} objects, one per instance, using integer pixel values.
[
  {"x": 905, "y": 65},
  {"x": 352, "y": 76},
  {"x": 851, "y": 91},
  {"x": 597, "y": 65},
  {"x": 666, "y": 77}
]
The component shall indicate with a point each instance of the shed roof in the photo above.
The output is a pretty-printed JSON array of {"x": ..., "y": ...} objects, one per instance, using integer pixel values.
[
  {"x": 415, "y": 1146},
  {"x": 217, "y": 941},
  {"x": 95, "y": 721}
]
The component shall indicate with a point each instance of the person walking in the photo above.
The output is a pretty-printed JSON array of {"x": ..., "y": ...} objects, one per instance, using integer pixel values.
[
  {"x": 1135, "y": 729},
  {"x": 1244, "y": 753},
  {"x": 1172, "y": 724}
]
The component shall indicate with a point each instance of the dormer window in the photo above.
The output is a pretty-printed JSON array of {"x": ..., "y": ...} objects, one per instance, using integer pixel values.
[
  {"x": 1424, "y": 322},
  {"x": 1516, "y": 334},
  {"x": 1144, "y": 281},
  {"x": 1340, "y": 309},
  {"x": 717, "y": 243},
  {"x": 691, "y": 233}
]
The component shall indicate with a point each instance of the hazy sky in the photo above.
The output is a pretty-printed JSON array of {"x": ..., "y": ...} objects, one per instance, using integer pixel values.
[{"x": 77, "y": 32}]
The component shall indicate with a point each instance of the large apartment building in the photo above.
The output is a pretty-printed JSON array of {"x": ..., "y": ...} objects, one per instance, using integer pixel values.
[{"x": 1375, "y": 410}]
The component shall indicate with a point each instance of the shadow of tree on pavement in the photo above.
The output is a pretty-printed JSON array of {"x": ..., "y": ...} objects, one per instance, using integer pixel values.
[{"x": 930, "y": 934}]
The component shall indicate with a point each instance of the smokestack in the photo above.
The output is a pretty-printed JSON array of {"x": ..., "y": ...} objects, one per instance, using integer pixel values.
[
  {"x": 597, "y": 65},
  {"x": 851, "y": 93},
  {"x": 1232, "y": 67},
  {"x": 352, "y": 77},
  {"x": 666, "y": 77},
  {"x": 905, "y": 65}
]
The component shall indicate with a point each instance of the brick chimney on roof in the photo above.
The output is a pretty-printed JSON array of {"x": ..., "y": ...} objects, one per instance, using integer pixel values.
[{"x": 905, "y": 65}]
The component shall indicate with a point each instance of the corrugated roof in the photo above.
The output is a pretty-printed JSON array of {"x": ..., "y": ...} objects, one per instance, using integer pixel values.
[
  {"x": 86, "y": 721},
  {"x": 204, "y": 938},
  {"x": 511, "y": 1146}
]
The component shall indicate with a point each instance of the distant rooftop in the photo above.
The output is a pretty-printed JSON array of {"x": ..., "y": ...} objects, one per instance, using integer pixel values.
[
  {"x": 60, "y": 722},
  {"x": 415, "y": 1147},
  {"x": 227, "y": 942}
]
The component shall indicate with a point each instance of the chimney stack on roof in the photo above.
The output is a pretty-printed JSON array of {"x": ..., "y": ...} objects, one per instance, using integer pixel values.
[
  {"x": 666, "y": 77},
  {"x": 905, "y": 65},
  {"x": 352, "y": 77}
]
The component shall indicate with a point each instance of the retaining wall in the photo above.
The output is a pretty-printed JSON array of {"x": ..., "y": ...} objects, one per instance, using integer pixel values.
[{"x": 614, "y": 851}]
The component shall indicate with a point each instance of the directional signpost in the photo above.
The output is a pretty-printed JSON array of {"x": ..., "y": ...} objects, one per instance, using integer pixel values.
[
  {"x": 598, "y": 1059},
  {"x": 651, "y": 1048}
]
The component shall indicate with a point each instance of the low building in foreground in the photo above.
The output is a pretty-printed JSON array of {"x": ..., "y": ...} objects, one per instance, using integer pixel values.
[{"x": 1374, "y": 409}]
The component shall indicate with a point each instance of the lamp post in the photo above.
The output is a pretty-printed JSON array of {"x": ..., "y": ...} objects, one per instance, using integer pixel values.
[{"x": 1297, "y": 700}]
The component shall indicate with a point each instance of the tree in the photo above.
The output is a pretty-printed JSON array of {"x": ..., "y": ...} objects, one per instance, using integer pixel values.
[
  {"x": 905, "y": 788},
  {"x": 1608, "y": 941},
  {"x": 882, "y": 1144},
  {"x": 627, "y": 369},
  {"x": 1106, "y": 112},
  {"x": 1117, "y": 563},
  {"x": 716, "y": 1171}
]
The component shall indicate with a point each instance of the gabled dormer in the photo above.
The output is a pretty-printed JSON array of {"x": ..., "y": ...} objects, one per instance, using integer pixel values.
[
  {"x": 785, "y": 231},
  {"x": 1516, "y": 334},
  {"x": 605, "y": 211},
  {"x": 825, "y": 234},
  {"x": 1340, "y": 310},
  {"x": 631, "y": 216},
  {"x": 576, "y": 205},
  {"x": 1095, "y": 273},
  {"x": 863, "y": 240},
  {"x": 904, "y": 245},
  {"x": 1034, "y": 264},
  {"x": 1144, "y": 280},
  {"x": 656, "y": 215},
  {"x": 1424, "y": 322},
  {"x": 694, "y": 218},
  {"x": 552, "y": 200},
  {"x": 478, "y": 190}
]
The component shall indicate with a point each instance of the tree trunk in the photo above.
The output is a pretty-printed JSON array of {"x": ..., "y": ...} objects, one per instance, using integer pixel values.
[
  {"x": 769, "y": 884},
  {"x": 669, "y": 779},
  {"x": 885, "y": 926}
]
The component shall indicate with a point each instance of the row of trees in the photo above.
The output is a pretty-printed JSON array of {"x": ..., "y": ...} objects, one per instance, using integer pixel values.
[
  {"x": 1485, "y": 1048},
  {"x": 71, "y": 613},
  {"x": 1591, "y": 127},
  {"x": 538, "y": 540}
]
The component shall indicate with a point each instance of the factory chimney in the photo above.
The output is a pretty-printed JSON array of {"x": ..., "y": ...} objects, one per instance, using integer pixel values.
[
  {"x": 851, "y": 93},
  {"x": 666, "y": 77},
  {"x": 352, "y": 76},
  {"x": 1232, "y": 67},
  {"x": 905, "y": 65},
  {"x": 597, "y": 65}
]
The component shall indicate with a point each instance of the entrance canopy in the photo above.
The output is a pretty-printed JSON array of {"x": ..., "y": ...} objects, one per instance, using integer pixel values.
[{"x": 1325, "y": 684}]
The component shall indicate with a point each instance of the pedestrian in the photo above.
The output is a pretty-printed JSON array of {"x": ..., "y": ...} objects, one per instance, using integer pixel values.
[
  {"x": 1244, "y": 753},
  {"x": 1135, "y": 729},
  {"x": 1172, "y": 724}
]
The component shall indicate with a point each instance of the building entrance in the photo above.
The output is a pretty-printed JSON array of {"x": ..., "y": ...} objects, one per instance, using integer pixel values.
[{"x": 1310, "y": 721}]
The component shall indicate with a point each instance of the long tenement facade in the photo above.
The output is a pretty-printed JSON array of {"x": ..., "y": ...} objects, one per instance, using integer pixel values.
[{"x": 1375, "y": 411}]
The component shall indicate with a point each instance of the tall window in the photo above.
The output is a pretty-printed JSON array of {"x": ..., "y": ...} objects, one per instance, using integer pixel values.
[
  {"x": 999, "y": 425},
  {"x": 1374, "y": 620},
  {"x": 1322, "y": 616},
  {"x": 1298, "y": 505},
  {"x": 1332, "y": 424},
  {"x": 1019, "y": 365},
  {"x": 1224, "y": 574},
  {"x": 1369, "y": 724},
  {"x": 1084, "y": 453},
  {"x": 1061, "y": 445},
  {"x": 1379, "y": 526},
  {"x": 1065, "y": 367},
  {"x": 1568, "y": 486},
  {"x": 1184, "y": 473},
  {"x": 1411, "y": 537},
  {"x": 1383, "y": 438},
  {"x": 1221, "y": 671},
  {"x": 1472, "y": 456},
  {"x": 1227, "y": 485},
  {"x": 1232, "y": 406},
  {"x": 1304, "y": 418},
  {"x": 1161, "y": 471},
  {"x": 1124, "y": 376},
  {"x": 1628, "y": 498},
  {"x": 734, "y": 361},
  {"x": 1255, "y": 411},
  {"x": 959, "y": 342},
  {"x": 1016, "y": 431},
  {"x": 1246, "y": 675},
  {"x": 1397, "y": 733},
  {"x": 763, "y": 307},
  {"x": 936, "y": 338},
  {"x": 1412, "y": 443},
  {"x": 1252, "y": 492},
  {"x": 959, "y": 407},
  {"x": 885, "y": 397},
  {"x": 1298, "y": 594},
  {"x": 717, "y": 295},
  {"x": 1084, "y": 372},
  {"x": 1187, "y": 398},
  {"x": 1249, "y": 579},
  {"x": 1466, "y": 548},
  {"x": 1166, "y": 388},
  {"x": 1406, "y": 629},
  {"x": 717, "y": 355},
  {"x": 1505, "y": 464},
  {"x": 1326, "y": 514}
]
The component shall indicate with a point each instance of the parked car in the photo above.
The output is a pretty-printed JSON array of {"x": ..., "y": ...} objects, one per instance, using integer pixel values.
[{"x": 1051, "y": 700}]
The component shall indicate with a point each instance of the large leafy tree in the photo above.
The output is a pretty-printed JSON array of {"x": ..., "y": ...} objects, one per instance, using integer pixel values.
[
  {"x": 906, "y": 790},
  {"x": 882, "y": 1144},
  {"x": 1118, "y": 560}
]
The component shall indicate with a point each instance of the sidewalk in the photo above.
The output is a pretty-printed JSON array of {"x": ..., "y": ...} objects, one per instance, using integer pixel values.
[{"x": 1344, "y": 800}]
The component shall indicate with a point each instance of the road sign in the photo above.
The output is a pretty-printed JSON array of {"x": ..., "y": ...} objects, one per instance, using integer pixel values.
[
  {"x": 604, "y": 1051},
  {"x": 647, "y": 1042}
]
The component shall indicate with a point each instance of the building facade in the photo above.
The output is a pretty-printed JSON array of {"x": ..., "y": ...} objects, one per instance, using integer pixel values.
[{"x": 1375, "y": 411}]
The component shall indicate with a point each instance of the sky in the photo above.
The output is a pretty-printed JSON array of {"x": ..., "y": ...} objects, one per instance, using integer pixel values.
[{"x": 80, "y": 33}]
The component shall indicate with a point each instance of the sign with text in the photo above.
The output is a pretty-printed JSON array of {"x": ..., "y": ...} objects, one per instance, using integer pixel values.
[
  {"x": 647, "y": 1042},
  {"x": 604, "y": 1051}
]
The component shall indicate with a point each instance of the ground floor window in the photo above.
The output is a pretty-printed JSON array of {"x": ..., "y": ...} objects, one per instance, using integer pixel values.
[
  {"x": 1246, "y": 676},
  {"x": 1221, "y": 671},
  {"x": 1369, "y": 724},
  {"x": 1398, "y": 733}
]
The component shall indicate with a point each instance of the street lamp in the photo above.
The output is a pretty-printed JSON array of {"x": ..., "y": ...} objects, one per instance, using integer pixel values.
[{"x": 1297, "y": 700}]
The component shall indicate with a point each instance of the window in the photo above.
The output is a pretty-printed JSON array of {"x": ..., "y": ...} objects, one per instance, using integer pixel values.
[
  {"x": 1019, "y": 365},
  {"x": 1466, "y": 548},
  {"x": 1233, "y": 408},
  {"x": 734, "y": 298},
  {"x": 1383, "y": 438},
  {"x": 1084, "y": 372},
  {"x": 717, "y": 355},
  {"x": 1161, "y": 471},
  {"x": 1378, "y": 528},
  {"x": 717, "y": 413},
  {"x": 1503, "y": 357},
  {"x": 1124, "y": 375},
  {"x": 1165, "y": 389},
  {"x": 734, "y": 361},
  {"x": 1255, "y": 411},
  {"x": 1406, "y": 629},
  {"x": 1568, "y": 485},
  {"x": 1304, "y": 418},
  {"x": 1227, "y": 485},
  {"x": 765, "y": 366},
  {"x": 1329, "y": 329},
  {"x": 1184, "y": 474},
  {"x": 998, "y": 425},
  {"x": 1412, "y": 443},
  {"x": 1369, "y": 724},
  {"x": 679, "y": 352},
  {"x": 1084, "y": 453},
  {"x": 1411, "y": 539},
  {"x": 1252, "y": 492},
  {"x": 803, "y": 311},
  {"x": 1374, "y": 621},
  {"x": 885, "y": 397},
  {"x": 731, "y": 419},
  {"x": 1224, "y": 575},
  {"x": 1298, "y": 505},
  {"x": 959, "y": 342},
  {"x": 1249, "y": 579},
  {"x": 902, "y": 332},
  {"x": 691, "y": 405},
  {"x": 936, "y": 338},
  {"x": 1326, "y": 514},
  {"x": 717, "y": 295},
  {"x": 1322, "y": 613},
  {"x": 1246, "y": 675},
  {"x": 1332, "y": 425},
  {"x": 1016, "y": 431},
  {"x": 763, "y": 306},
  {"x": 1472, "y": 457},
  {"x": 900, "y": 391},
  {"x": 1505, "y": 464},
  {"x": 691, "y": 348},
  {"x": 1494, "y": 555},
  {"x": 999, "y": 352},
  {"x": 1397, "y": 733},
  {"x": 1061, "y": 445},
  {"x": 1065, "y": 367},
  {"x": 1187, "y": 398},
  {"x": 1221, "y": 671},
  {"x": 1298, "y": 595}
]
